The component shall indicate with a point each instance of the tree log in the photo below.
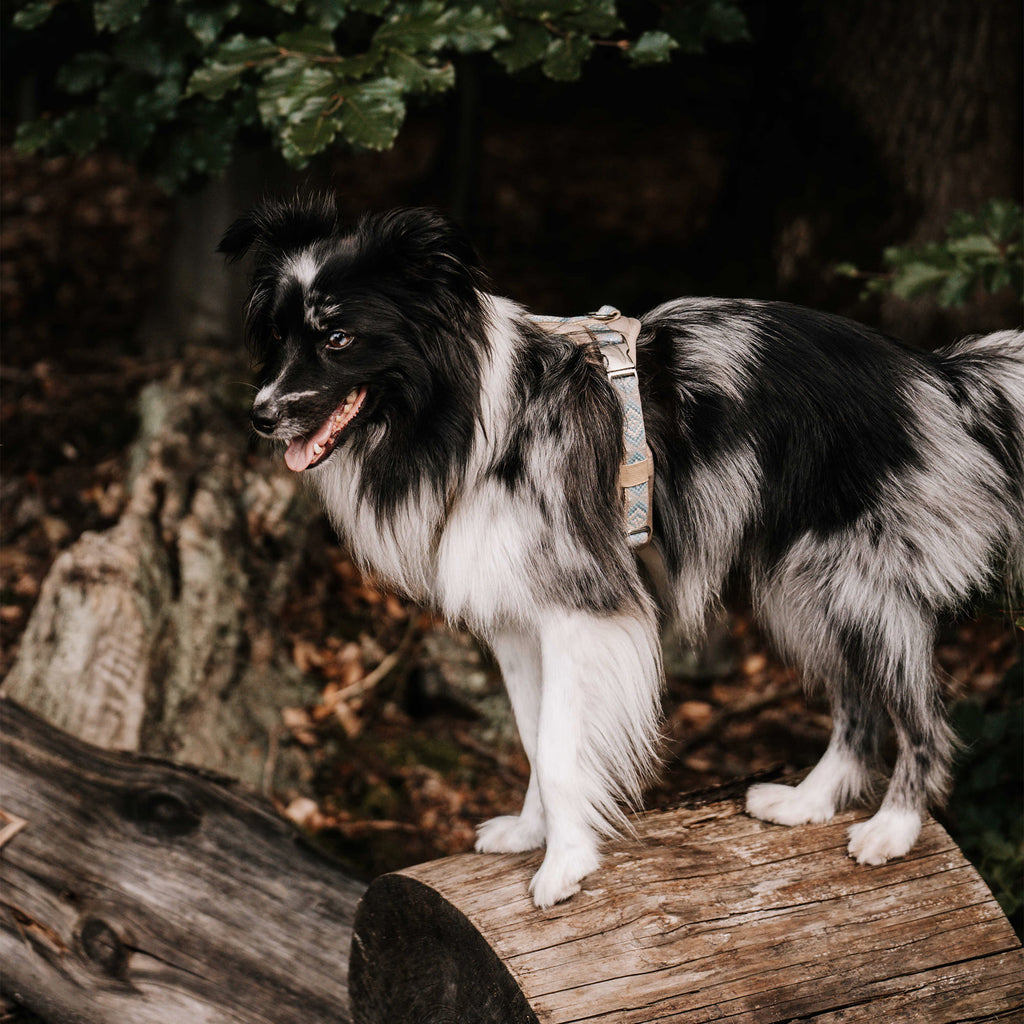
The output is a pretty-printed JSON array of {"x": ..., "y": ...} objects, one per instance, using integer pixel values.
[
  {"x": 140, "y": 892},
  {"x": 706, "y": 915}
]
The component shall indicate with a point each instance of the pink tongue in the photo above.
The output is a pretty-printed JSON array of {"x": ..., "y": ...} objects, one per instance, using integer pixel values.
[
  {"x": 299, "y": 455},
  {"x": 300, "y": 452}
]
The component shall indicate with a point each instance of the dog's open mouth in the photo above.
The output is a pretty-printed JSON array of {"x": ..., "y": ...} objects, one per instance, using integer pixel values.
[{"x": 304, "y": 452}]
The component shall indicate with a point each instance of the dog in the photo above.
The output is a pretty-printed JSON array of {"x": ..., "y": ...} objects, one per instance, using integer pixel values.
[{"x": 469, "y": 458}]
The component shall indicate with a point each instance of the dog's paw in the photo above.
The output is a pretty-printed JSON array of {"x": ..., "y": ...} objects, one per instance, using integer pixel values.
[
  {"x": 511, "y": 833},
  {"x": 560, "y": 875},
  {"x": 890, "y": 833},
  {"x": 787, "y": 805}
]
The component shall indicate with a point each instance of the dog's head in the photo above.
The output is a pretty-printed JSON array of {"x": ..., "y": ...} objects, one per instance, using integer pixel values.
[{"x": 376, "y": 325}]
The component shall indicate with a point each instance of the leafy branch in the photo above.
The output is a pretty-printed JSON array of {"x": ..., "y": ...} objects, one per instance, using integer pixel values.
[
  {"x": 982, "y": 252},
  {"x": 175, "y": 85}
]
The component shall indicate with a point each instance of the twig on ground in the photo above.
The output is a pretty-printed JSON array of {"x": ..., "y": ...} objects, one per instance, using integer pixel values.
[
  {"x": 387, "y": 664},
  {"x": 373, "y": 825},
  {"x": 753, "y": 703},
  {"x": 506, "y": 768}
]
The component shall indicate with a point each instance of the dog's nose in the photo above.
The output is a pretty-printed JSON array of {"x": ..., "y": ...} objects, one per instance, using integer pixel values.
[{"x": 265, "y": 418}]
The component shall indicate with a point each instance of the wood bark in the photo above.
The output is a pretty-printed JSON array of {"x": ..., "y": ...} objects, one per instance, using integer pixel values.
[
  {"x": 140, "y": 892},
  {"x": 705, "y": 915},
  {"x": 157, "y": 635}
]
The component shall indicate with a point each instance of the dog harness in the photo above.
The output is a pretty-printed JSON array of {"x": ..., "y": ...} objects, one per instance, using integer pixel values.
[{"x": 613, "y": 337}]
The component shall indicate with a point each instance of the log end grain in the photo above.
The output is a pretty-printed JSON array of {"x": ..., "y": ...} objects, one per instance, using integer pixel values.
[{"x": 415, "y": 957}]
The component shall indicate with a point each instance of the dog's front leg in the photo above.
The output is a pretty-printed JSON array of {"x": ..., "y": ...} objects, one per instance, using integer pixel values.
[
  {"x": 595, "y": 736},
  {"x": 585, "y": 691},
  {"x": 547, "y": 696},
  {"x": 519, "y": 657},
  {"x": 571, "y": 840}
]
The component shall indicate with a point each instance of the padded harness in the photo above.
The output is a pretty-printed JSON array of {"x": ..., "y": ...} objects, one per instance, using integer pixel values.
[{"x": 612, "y": 337}]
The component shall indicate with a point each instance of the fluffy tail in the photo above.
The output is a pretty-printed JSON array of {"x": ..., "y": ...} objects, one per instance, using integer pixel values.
[{"x": 986, "y": 373}]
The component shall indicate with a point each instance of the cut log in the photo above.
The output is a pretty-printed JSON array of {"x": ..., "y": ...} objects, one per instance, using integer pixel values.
[
  {"x": 139, "y": 892},
  {"x": 706, "y": 915}
]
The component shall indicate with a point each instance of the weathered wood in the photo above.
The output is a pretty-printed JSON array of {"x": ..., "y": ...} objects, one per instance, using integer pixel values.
[
  {"x": 706, "y": 915},
  {"x": 166, "y": 621},
  {"x": 140, "y": 892}
]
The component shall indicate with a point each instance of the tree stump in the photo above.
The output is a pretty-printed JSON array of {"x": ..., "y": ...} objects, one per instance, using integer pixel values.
[
  {"x": 706, "y": 915},
  {"x": 157, "y": 635},
  {"x": 133, "y": 891}
]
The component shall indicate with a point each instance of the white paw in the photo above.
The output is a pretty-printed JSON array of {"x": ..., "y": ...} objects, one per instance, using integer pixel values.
[
  {"x": 890, "y": 833},
  {"x": 787, "y": 805},
  {"x": 511, "y": 833},
  {"x": 560, "y": 875}
]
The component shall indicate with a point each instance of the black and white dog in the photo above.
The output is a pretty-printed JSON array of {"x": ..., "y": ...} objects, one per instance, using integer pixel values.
[{"x": 471, "y": 460}]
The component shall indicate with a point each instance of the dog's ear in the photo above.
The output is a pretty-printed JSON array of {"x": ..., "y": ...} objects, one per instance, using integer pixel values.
[
  {"x": 281, "y": 226},
  {"x": 419, "y": 245},
  {"x": 239, "y": 237}
]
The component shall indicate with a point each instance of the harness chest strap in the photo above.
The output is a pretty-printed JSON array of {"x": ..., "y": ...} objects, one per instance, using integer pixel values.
[{"x": 614, "y": 337}]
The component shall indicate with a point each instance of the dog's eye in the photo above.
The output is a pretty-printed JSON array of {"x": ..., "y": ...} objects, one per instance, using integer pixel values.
[
  {"x": 275, "y": 334},
  {"x": 339, "y": 339}
]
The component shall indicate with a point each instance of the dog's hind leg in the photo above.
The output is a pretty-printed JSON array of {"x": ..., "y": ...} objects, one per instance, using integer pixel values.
[
  {"x": 882, "y": 662},
  {"x": 843, "y": 774},
  {"x": 920, "y": 777},
  {"x": 596, "y": 739},
  {"x": 518, "y": 655},
  {"x": 827, "y": 649}
]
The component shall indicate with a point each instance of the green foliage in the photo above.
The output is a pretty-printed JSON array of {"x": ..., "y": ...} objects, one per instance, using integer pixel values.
[
  {"x": 982, "y": 252},
  {"x": 173, "y": 85},
  {"x": 653, "y": 48},
  {"x": 985, "y": 812}
]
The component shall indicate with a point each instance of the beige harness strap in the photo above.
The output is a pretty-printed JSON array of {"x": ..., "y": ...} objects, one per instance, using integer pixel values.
[{"x": 611, "y": 337}]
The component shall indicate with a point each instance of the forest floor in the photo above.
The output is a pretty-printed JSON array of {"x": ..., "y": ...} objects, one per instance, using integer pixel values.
[{"x": 406, "y": 771}]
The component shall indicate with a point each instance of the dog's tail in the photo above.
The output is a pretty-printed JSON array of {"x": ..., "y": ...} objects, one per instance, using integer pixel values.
[{"x": 986, "y": 373}]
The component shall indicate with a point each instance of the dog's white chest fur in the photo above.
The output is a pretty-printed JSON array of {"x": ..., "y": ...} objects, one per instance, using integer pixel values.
[
  {"x": 471, "y": 561},
  {"x": 469, "y": 554}
]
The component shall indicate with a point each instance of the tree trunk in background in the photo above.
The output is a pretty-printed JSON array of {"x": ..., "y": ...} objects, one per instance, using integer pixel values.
[
  {"x": 202, "y": 299},
  {"x": 157, "y": 635},
  {"x": 934, "y": 85},
  {"x": 930, "y": 81},
  {"x": 853, "y": 127}
]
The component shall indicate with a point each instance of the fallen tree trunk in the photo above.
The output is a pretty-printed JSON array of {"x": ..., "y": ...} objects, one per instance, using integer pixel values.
[
  {"x": 707, "y": 915},
  {"x": 140, "y": 892}
]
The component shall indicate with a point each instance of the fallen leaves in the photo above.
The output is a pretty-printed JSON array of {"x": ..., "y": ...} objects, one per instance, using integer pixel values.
[
  {"x": 299, "y": 723},
  {"x": 343, "y": 665}
]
